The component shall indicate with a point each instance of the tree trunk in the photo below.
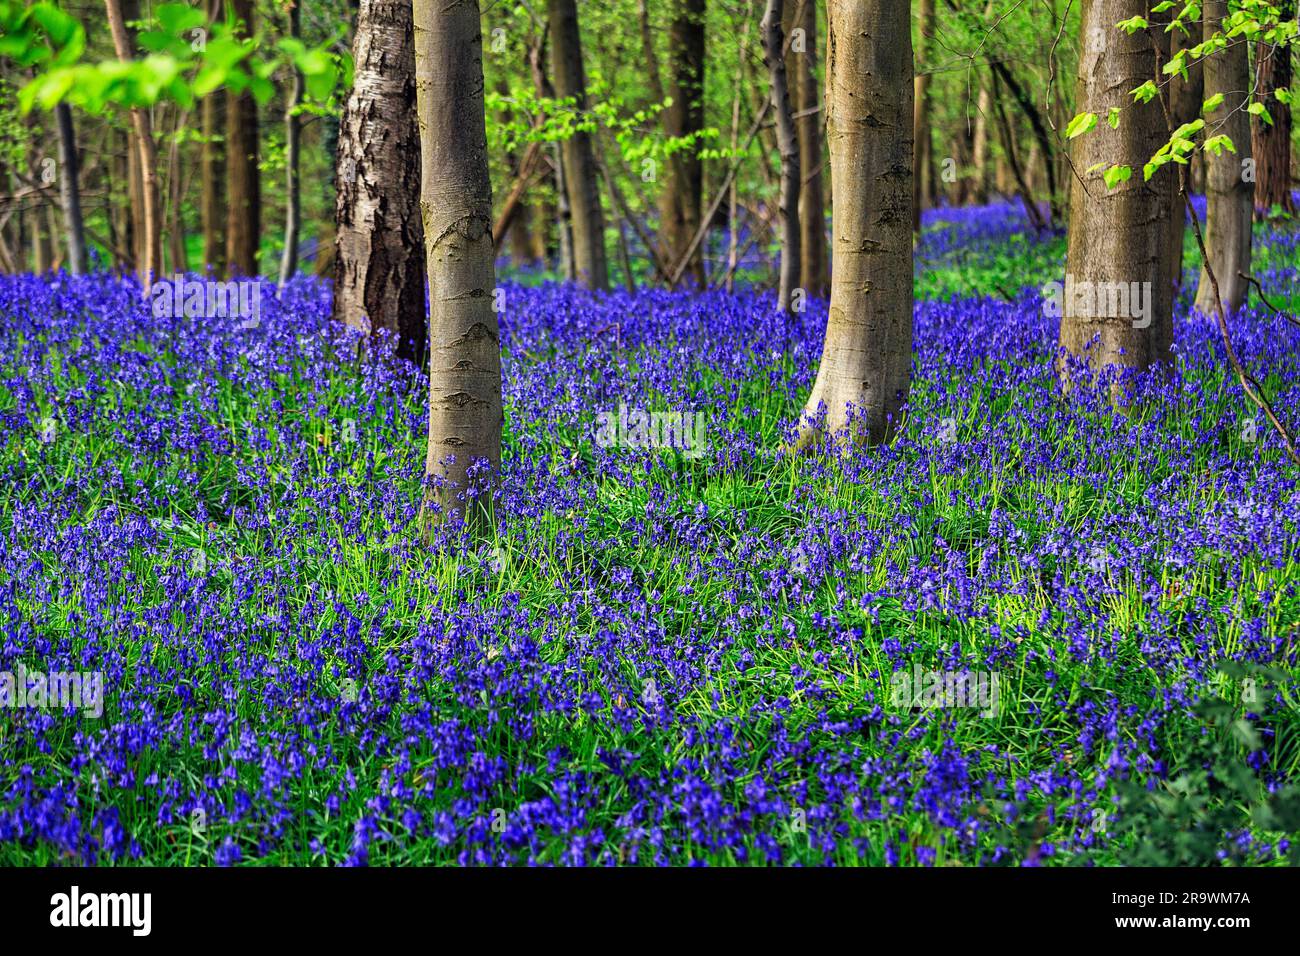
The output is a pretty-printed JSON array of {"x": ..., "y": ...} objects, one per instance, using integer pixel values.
[
  {"x": 212, "y": 162},
  {"x": 151, "y": 261},
  {"x": 212, "y": 206},
  {"x": 42, "y": 254},
  {"x": 70, "y": 190},
  {"x": 292, "y": 147},
  {"x": 806, "y": 97},
  {"x": 681, "y": 200},
  {"x": 326, "y": 236},
  {"x": 1271, "y": 145},
  {"x": 465, "y": 411},
  {"x": 921, "y": 197},
  {"x": 867, "y": 355},
  {"x": 121, "y": 218},
  {"x": 980, "y": 143},
  {"x": 788, "y": 145},
  {"x": 378, "y": 270},
  {"x": 580, "y": 174},
  {"x": 243, "y": 184},
  {"x": 1185, "y": 100},
  {"x": 176, "y": 182},
  {"x": 1229, "y": 196},
  {"x": 1118, "y": 235}
]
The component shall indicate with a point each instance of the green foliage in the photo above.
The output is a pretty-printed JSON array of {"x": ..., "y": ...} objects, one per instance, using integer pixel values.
[
  {"x": 187, "y": 58},
  {"x": 1213, "y": 793}
]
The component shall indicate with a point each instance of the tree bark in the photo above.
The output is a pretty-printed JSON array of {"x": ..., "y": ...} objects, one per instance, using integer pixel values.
[
  {"x": 1229, "y": 196},
  {"x": 787, "y": 140},
  {"x": 867, "y": 355},
  {"x": 921, "y": 197},
  {"x": 1271, "y": 145},
  {"x": 980, "y": 143},
  {"x": 378, "y": 270},
  {"x": 581, "y": 178},
  {"x": 806, "y": 97},
  {"x": 147, "y": 154},
  {"x": 465, "y": 414},
  {"x": 292, "y": 147},
  {"x": 70, "y": 190},
  {"x": 212, "y": 160},
  {"x": 682, "y": 198},
  {"x": 1118, "y": 235},
  {"x": 177, "y": 256},
  {"x": 243, "y": 183}
]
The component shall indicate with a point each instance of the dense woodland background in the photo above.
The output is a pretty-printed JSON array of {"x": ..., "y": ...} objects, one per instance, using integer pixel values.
[{"x": 671, "y": 97}]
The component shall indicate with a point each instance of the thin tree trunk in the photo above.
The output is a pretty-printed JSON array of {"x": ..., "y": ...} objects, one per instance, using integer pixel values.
[
  {"x": 70, "y": 190},
  {"x": 151, "y": 263},
  {"x": 212, "y": 161},
  {"x": 581, "y": 178},
  {"x": 788, "y": 145},
  {"x": 1185, "y": 100},
  {"x": 1041, "y": 137},
  {"x": 1118, "y": 238},
  {"x": 1271, "y": 144},
  {"x": 378, "y": 273},
  {"x": 867, "y": 356},
  {"x": 733, "y": 226},
  {"x": 921, "y": 196},
  {"x": 243, "y": 183},
  {"x": 980, "y": 143},
  {"x": 176, "y": 250},
  {"x": 292, "y": 146},
  {"x": 42, "y": 255},
  {"x": 465, "y": 414},
  {"x": 1007, "y": 136},
  {"x": 1229, "y": 196},
  {"x": 325, "y": 235},
  {"x": 806, "y": 96},
  {"x": 682, "y": 197}
]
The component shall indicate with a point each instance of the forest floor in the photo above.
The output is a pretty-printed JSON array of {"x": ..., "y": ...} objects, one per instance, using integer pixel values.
[{"x": 662, "y": 657}]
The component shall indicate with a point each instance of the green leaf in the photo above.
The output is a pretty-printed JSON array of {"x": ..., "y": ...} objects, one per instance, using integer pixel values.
[
  {"x": 1081, "y": 124},
  {"x": 1112, "y": 118},
  {"x": 1212, "y": 103},
  {"x": 1116, "y": 175},
  {"x": 1145, "y": 93}
]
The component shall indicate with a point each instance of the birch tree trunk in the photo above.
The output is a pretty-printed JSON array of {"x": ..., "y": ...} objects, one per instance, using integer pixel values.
[
  {"x": 379, "y": 239},
  {"x": 1229, "y": 195},
  {"x": 866, "y": 359},
  {"x": 581, "y": 178},
  {"x": 465, "y": 415},
  {"x": 1118, "y": 235}
]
